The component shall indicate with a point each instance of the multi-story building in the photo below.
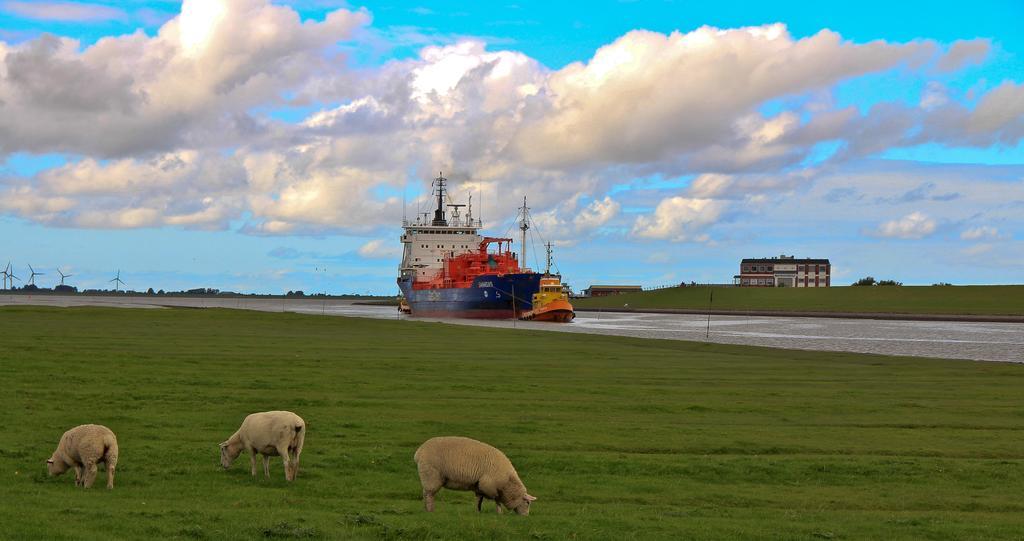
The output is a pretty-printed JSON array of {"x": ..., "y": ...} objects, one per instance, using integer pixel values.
[{"x": 784, "y": 271}]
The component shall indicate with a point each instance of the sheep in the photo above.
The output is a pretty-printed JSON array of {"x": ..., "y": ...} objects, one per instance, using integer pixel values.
[
  {"x": 82, "y": 448},
  {"x": 460, "y": 463},
  {"x": 268, "y": 433}
]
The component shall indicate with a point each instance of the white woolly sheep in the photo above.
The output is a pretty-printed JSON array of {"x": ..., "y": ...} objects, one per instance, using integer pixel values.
[
  {"x": 82, "y": 448},
  {"x": 268, "y": 433},
  {"x": 460, "y": 463}
]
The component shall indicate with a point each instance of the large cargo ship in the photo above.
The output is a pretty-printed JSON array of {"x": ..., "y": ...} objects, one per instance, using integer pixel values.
[{"x": 449, "y": 270}]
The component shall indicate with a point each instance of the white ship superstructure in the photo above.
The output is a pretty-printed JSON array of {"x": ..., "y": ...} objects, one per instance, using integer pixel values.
[{"x": 426, "y": 242}]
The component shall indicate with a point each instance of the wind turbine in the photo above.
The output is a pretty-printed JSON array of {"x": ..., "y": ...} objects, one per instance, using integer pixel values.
[
  {"x": 117, "y": 280},
  {"x": 32, "y": 277},
  {"x": 11, "y": 276},
  {"x": 63, "y": 276},
  {"x": 7, "y": 273}
]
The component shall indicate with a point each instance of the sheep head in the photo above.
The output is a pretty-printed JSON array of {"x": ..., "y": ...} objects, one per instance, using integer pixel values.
[
  {"x": 55, "y": 466},
  {"x": 524, "y": 505},
  {"x": 228, "y": 454}
]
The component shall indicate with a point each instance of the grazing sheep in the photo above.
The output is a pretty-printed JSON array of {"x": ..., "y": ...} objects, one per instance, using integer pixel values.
[
  {"x": 82, "y": 448},
  {"x": 268, "y": 433},
  {"x": 465, "y": 464}
]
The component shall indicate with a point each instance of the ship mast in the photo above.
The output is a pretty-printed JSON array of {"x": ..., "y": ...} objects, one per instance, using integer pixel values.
[
  {"x": 547, "y": 271},
  {"x": 523, "y": 226},
  {"x": 439, "y": 213}
]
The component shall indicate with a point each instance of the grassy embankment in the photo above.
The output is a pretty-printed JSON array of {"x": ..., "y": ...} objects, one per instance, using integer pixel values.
[
  {"x": 619, "y": 438},
  {"x": 959, "y": 300}
]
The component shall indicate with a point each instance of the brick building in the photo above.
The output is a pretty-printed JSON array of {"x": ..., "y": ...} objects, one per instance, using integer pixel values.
[
  {"x": 784, "y": 271},
  {"x": 604, "y": 291}
]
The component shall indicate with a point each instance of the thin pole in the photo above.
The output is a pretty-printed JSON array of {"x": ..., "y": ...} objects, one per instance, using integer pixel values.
[
  {"x": 711, "y": 296},
  {"x": 513, "y": 304},
  {"x": 523, "y": 226}
]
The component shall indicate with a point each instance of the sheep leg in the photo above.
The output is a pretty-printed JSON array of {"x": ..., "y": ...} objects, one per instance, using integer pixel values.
[
  {"x": 295, "y": 461},
  {"x": 252, "y": 462},
  {"x": 90, "y": 475},
  {"x": 479, "y": 501},
  {"x": 487, "y": 487},
  {"x": 112, "y": 464},
  {"x": 266, "y": 466},
  {"x": 283, "y": 451},
  {"x": 78, "y": 475},
  {"x": 428, "y": 501},
  {"x": 431, "y": 482}
]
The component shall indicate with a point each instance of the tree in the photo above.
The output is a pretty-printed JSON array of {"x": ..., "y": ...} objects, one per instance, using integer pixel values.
[
  {"x": 866, "y": 281},
  {"x": 150, "y": 292},
  {"x": 889, "y": 283}
]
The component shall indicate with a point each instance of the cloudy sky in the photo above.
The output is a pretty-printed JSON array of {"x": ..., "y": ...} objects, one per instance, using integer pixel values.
[{"x": 264, "y": 146}]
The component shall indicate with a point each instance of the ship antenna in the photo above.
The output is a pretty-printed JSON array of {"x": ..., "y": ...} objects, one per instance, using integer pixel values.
[{"x": 523, "y": 226}]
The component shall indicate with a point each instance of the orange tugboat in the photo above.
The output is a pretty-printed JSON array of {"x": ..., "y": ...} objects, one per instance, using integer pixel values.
[{"x": 551, "y": 303}]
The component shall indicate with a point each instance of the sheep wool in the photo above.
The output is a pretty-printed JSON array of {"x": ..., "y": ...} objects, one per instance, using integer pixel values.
[
  {"x": 82, "y": 448},
  {"x": 459, "y": 463},
  {"x": 269, "y": 433}
]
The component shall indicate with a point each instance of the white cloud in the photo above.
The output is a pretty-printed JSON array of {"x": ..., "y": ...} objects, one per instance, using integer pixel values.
[
  {"x": 711, "y": 185},
  {"x": 171, "y": 129},
  {"x": 380, "y": 248},
  {"x": 915, "y": 225},
  {"x": 1000, "y": 112},
  {"x": 63, "y": 11},
  {"x": 963, "y": 53},
  {"x": 191, "y": 85},
  {"x": 679, "y": 219},
  {"x": 648, "y": 95},
  {"x": 980, "y": 232},
  {"x": 567, "y": 224},
  {"x": 596, "y": 214},
  {"x": 934, "y": 95},
  {"x": 978, "y": 249}
]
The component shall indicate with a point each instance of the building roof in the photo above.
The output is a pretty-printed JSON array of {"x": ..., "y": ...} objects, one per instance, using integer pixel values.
[{"x": 788, "y": 260}]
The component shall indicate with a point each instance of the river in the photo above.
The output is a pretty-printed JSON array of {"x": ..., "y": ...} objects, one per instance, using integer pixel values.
[{"x": 944, "y": 339}]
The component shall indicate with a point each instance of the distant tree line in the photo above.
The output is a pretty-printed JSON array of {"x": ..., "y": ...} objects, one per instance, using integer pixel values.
[
  {"x": 32, "y": 288},
  {"x": 870, "y": 281},
  {"x": 195, "y": 292}
]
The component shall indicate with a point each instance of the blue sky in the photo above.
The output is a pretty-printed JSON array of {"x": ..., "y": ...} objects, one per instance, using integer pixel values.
[{"x": 262, "y": 147}]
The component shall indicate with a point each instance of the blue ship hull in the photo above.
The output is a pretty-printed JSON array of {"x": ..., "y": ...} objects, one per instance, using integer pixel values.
[{"x": 490, "y": 297}]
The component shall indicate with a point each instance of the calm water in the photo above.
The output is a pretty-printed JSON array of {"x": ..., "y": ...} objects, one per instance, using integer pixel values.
[{"x": 956, "y": 340}]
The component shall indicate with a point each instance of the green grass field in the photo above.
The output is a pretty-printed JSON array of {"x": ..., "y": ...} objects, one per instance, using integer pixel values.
[
  {"x": 619, "y": 438},
  {"x": 959, "y": 300}
]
